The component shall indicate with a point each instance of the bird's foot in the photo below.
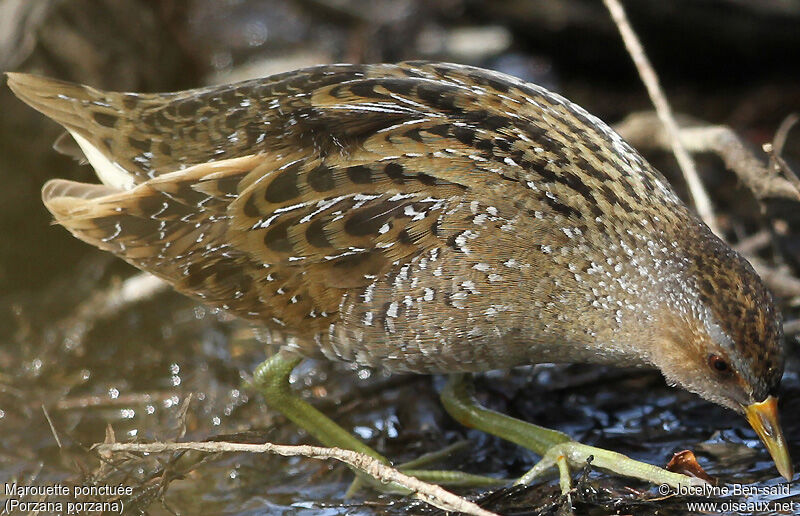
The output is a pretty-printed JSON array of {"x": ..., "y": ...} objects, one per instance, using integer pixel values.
[
  {"x": 556, "y": 448},
  {"x": 572, "y": 453}
]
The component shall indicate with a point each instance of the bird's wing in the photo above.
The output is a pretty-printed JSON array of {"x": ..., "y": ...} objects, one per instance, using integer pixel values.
[
  {"x": 301, "y": 186},
  {"x": 144, "y": 135},
  {"x": 350, "y": 178}
]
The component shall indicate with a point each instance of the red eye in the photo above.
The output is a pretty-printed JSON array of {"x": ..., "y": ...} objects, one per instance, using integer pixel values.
[{"x": 718, "y": 364}]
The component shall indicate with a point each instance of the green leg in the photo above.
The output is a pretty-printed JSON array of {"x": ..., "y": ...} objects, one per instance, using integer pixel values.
[
  {"x": 272, "y": 378},
  {"x": 556, "y": 448}
]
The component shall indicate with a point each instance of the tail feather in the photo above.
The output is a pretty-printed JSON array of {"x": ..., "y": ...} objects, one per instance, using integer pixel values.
[
  {"x": 59, "y": 100},
  {"x": 88, "y": 114},
  {"x": 61, "y": 188}
]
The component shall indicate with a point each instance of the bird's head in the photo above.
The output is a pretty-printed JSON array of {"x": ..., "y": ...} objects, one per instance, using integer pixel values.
[{"x": 724, "y": 342}]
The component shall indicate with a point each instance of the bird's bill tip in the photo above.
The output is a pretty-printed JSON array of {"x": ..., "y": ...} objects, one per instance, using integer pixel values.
[{"x": 763, "y": 417}]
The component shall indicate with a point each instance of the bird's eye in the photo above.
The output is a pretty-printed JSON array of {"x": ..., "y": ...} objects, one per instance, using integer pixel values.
[{"x": 718, "y": 364}]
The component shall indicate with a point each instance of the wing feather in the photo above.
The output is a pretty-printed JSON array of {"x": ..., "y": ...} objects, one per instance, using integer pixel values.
[{"x": 272, "y": 198}]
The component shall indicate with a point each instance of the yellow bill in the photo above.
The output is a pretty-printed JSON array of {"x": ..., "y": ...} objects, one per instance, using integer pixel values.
[{"x": 763, "y": 417}]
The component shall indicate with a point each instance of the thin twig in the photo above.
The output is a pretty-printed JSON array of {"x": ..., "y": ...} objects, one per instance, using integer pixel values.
[
  {"x": 775, "y": 149},
  {"x": 52, "y": 426},
  {"x": 104, "y": 401},
  {"x": 753, "y": 243},
  {"x": 643, "y": 130},
  {"x": 791, "y": 328},
  {"x": 109, "y": 302},
  {"x": 702, "y": 202},
  {"x": 783, "y": 132},
  {"x": 429, "y": 493},
  {"x": 782, "y": 284}
]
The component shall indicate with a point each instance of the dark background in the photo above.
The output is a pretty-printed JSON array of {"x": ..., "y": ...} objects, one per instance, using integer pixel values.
[{"x": 722, "y": 61}]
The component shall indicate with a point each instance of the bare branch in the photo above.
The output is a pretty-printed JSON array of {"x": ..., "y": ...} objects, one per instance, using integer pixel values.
[
  {"x": 782, "y": 283},
  {"x": 52, "y": 426},
  {"x": 791, "y": 328},
  {"x": 702, "y": 202},
  {"x": 429, "y": 493},
  {"x": 753, "y": 243},
  {"x": 109, "y": 302},
  {"x": 775, "y": 150},
  {"x": 783, "y": 132},
  {"x": 643, "y": 130}
]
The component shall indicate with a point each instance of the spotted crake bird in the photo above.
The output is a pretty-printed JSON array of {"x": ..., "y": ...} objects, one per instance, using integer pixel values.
[{"x": 423, "y": 217}]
